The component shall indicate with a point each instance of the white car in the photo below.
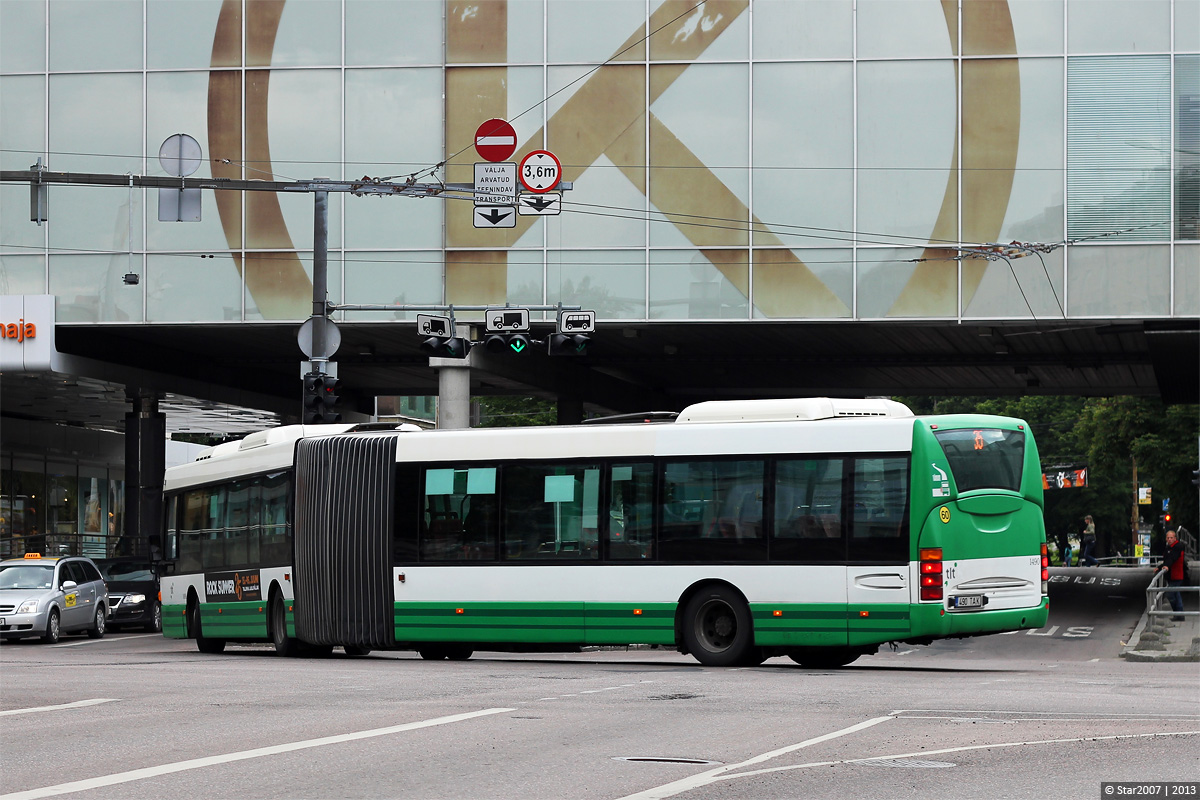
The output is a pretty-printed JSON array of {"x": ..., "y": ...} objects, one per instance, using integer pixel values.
[{"x": 49, "y": 596}]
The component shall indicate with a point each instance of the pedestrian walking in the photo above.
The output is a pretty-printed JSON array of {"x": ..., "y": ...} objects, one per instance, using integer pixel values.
[
  {"x": 1175, "y": 564},
  {"x": 1088, "y": 538}
]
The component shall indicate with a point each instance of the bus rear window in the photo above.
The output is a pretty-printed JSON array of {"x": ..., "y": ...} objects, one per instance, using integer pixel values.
[{"x": 984, "y": 458}]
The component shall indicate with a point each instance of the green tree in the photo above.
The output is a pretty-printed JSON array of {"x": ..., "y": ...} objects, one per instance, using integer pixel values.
[{"x": 509, "y": 412}]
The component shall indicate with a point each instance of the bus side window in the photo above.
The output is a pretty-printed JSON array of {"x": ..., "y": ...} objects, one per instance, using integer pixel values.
[
  {"x": 631, "y": 512},
  {"x": 808, "y": 511},
  {"x": 880, "y": 523}
]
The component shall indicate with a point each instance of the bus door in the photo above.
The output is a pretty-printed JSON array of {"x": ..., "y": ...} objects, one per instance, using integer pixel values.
[{"x": 877, "y": 580}]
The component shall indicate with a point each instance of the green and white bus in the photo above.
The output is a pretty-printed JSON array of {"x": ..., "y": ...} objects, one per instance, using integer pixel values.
[{"x": 814, "y": 528}]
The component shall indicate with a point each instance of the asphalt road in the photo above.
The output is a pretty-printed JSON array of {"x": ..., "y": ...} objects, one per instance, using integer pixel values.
[{"x": 1043, "y": 714}]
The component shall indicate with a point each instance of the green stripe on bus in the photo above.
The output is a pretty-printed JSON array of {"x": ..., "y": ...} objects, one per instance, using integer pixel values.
[
  {"x": 244, "y": 620},
  {"x": 174, "y": 621}
]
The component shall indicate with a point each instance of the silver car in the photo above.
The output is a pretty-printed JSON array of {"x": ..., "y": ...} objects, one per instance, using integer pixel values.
[{"x": 48, "y": 597}]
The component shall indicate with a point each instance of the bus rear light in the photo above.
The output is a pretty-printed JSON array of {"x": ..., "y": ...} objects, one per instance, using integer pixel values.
[
  {"x": 1045, "y": 569},
  {"x": 931, "y": 573}
]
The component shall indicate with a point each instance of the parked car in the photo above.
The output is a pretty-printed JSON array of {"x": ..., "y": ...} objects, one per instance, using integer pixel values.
[
  {"x": 132, "y": 593},
  {"x": 50, "y": 596}
]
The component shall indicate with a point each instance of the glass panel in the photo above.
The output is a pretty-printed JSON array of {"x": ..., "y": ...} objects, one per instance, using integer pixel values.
[
  {"x": 813, "y": 29},
  {"x": 177, "y": 102},
  {"x": 1031, "y": 286},
  {"x": 906, "y": 141},
  {"x": 62, "y": 511},
  {"x": 385, "y": 107},
  {"x": 188, "y": 288},
  {"x": 1187, "y": 147},
  {"x": 401, "y": 278},
  {"x": 116, "y": 506},
  {"x": 306, "y": 142},
  {"x": 803, "y": 283},
  {"x": 803, "y": 161},
  {"x": 380, "y": 32},
  {"x": 22, "y": 274},
  {"x": 91, "y": 289},
  {"x": 879, "y": 525},
  {"x": 593, "y": 31},
  {"x": 699, "y": 140},
  {"x": 612, "y": 282},
  {"x": 631, "y": 512},
  {"x": 1124, "y": 280},
  {"x": 526, "y": 22},
  {"x": 1187, "y": 26},
  {"x": 551, "y": 511},
  {"x": 905, "y": 28},
  {"x": 309, "y": 34},
  {"x": 808, "y": 511},
  {"x": 1118, "y": 148},
  {"x": 95, "y": 36},
  {"x": 1118, "y": 26},
  {"x": 111, "y": 140},
  {"x": 989, "y": 27},
  {"x": 180, "y": 35},
  {"x": 22, "y": 124},
  {"x": 25, "y": 491},
  {"x": 698, "y": 284},
  {"x": 612, "y": 184},
  {"x": 890, "y": 284},
  {"x": 699, "y": 33},
  {"x": 92, "y": 522},
  {"x": 984, "y": 458},
  {"x": 460, "y": 519},
  {"x": 712, "y": 511},
  {"x": 526, "y": 283},
  {"x": 22, "y": 36},
  {"x": 1187, "y": 280},
  {"x": 276, "y": 290},
  {"x": 1012, "y": 177}
]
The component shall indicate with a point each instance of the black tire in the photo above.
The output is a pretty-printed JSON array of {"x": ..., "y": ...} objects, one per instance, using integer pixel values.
[
  {"x": 717, "y": 628},
  {"x": 196, "y": 631},
  {"x": 825, "y": 657},
  {"x": 277, "y": 618},
  {"x": 155, "y": 623},
  {"x": 98, "y": 623},
  {"x": 355, "y": 650},
  {"x": 458, "y": 652},
  {"x": 53, "y": 628},
  {"x": 317, "y": 650}
]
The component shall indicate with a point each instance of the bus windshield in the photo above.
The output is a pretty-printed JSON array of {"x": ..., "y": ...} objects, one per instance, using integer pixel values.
[{"x": 984, "y": 458}]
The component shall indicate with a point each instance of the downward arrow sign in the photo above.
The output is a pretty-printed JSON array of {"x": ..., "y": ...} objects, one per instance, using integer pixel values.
[
  {"x": 539, "y": 203},
  {"x": 494, "y": 216},
  {"x": 517, "y": 346}
]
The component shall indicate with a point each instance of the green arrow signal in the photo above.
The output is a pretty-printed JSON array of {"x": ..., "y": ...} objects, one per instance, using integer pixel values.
[{"x": 517, "y": 346}]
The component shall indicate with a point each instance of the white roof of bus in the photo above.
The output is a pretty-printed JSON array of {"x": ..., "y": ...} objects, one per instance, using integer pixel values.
[{"x": 706, "y": 429}]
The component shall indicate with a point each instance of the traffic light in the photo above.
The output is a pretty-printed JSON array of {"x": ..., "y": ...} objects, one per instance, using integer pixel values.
[
  {"x": 567, "y": 344},
  {"x": 1167, "y": 519},
  {"x": 320, "y": 399},
  {"x": 446, "y": 347},
  {"x": 506, "y": 343},
  {"x": 1196, "y": 477}
]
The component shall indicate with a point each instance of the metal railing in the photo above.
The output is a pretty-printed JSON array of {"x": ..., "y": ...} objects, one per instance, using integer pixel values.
[{"x": 1154, "y": 597}]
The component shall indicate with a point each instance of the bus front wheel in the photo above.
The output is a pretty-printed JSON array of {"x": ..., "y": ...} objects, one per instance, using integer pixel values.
[
  {"x": 195, "y": 631},
  {"x": 717, "y": 628}
]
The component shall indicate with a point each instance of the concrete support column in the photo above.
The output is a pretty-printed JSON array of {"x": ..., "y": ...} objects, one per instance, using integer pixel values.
[
  {"x": 454, "y": 387},
  {"x": 145, "y": 459}
]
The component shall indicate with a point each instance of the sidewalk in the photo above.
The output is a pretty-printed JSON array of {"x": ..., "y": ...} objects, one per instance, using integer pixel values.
[{"x": 1159, "y": 638}]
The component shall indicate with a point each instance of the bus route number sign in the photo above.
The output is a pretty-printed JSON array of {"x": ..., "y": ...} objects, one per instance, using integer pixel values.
[{"x": 540, "y": 171}]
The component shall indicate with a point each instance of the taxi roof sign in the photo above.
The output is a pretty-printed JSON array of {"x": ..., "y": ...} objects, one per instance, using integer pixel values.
[{"x": 33, "y": 555}]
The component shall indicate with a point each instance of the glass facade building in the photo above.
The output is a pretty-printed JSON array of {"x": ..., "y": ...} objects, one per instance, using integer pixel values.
[{"x": 730, "y": 159}]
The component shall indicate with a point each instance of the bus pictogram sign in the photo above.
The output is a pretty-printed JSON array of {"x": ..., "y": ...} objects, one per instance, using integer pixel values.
[{"x": 540, "y": 171}]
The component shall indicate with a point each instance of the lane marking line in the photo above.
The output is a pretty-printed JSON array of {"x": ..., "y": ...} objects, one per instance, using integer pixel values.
[
  {"x": 963, "y": 749},
  {"x": 713, "y": 775},
  {"x": 60, "y": 707},
  {"x": 258, "y": 752}
]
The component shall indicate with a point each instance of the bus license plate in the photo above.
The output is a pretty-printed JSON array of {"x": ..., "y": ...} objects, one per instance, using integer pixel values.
[{"x": 969, "y": 601}]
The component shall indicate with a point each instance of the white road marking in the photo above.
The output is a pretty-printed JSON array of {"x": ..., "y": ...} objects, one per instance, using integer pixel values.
[
  {"x": 258, "y": 752},
  {"x": 60, "y": 707},
  {"x": 714, "y": 775},
  {"x": 927, "y": 753}
]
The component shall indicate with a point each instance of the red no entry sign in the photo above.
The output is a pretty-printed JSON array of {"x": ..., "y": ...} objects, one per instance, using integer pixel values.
[{"x": 495, "y": 140}]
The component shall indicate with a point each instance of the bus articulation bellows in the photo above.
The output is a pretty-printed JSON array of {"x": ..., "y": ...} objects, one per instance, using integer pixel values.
[{"x": 814, "y": 528}]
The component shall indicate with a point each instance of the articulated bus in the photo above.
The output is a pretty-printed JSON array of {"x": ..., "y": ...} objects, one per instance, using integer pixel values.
[{"x": 812, "y": 528}]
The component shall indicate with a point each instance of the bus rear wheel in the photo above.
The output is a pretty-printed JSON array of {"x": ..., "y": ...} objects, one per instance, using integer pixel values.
[
  {"x": 825, "y": 657},
  {"x": 356, "y": 650},
  {"x": 284, "y": 644},
  {"x": 717, "y": 628},
  {"x": 195, "y": 631}
]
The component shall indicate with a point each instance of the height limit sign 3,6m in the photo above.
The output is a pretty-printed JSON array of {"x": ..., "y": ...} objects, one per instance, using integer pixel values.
[{"x": 540, "y": 171}]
